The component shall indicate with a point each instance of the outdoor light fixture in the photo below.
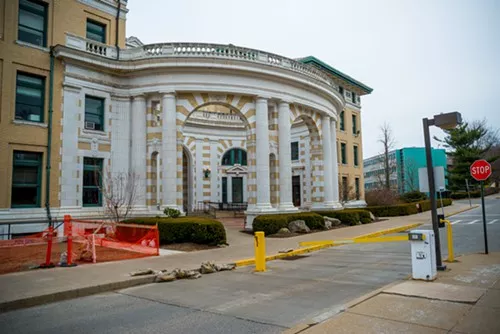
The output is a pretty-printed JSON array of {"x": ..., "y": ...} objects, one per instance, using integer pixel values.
[
  {"x": 206, "y": 171},
  {"x": 444, "y": 121}
]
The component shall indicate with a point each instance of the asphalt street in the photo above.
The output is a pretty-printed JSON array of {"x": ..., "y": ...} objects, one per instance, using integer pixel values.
[{"x": 308, "y": 288}]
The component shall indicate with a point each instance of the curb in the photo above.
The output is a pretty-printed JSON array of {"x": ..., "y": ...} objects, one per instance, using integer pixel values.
[
  {"x": 73, "y": 293},
  {"x": 309, "y": 249},
  {"x": 460, "y": 211},
  {"x": 388, "y": 231}
]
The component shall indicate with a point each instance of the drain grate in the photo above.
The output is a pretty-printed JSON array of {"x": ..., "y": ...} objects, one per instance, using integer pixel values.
[{"x": 294, "y": 257}]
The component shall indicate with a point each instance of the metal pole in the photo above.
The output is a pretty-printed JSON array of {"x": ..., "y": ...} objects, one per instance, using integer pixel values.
[
  {"x": 468, "y": 192},
  {"x": 484, "y": 220},
  {"x": 432, "y": 192},
  {"x": 441, "y": 199}
]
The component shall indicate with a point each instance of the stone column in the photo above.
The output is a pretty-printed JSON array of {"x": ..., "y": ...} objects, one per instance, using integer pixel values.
[
  {"x": 200, "y": 176},
  {"x": 169, "y": 150},
  {"x": 214, "y": 173},
  {"x": 335, "y": 166},
  {"x": 307, "y": 172},
  {"x": 138, "y": 156},
  {"x": 327, "y": 162},
  {"x": 262, "y": 155},
  {"x": 285, "y": 158}
]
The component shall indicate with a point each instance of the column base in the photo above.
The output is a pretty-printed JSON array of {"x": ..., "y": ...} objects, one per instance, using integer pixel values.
[
  {"x": 327, "y": 206},
  {"x": 288, "y": 207},
  {"x": 355, "y": 204}
]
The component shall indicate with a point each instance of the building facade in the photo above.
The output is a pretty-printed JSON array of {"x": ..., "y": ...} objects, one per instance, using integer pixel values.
[
  {"x": 404, "y": 164},
  {"x": 192, "y": 122}
]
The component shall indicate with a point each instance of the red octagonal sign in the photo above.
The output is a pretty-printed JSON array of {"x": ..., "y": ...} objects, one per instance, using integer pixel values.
[{"x": 480, "y": 170}]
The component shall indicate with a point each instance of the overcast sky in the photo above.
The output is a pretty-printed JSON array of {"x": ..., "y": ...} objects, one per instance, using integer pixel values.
[{"x": 421, "y": 57}]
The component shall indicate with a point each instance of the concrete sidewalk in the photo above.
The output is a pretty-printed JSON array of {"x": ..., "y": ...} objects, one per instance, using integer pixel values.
[
  {"x": 31, "y": 288},
  {"x": 464, "y": 299}
]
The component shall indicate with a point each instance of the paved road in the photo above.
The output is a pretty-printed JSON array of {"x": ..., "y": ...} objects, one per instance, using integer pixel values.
[
  {"x": 310, "y": 288},
  {"x": 468, "y": 234}
]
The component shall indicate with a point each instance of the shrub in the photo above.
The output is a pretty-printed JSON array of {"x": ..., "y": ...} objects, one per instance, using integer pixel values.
[
  {"x": 379, "y": 197},
  {"x": 348, "y": 216},
  {"x": 171, "y": 213},
  {"x": 271, "y": 224},
  {"x": 413, "y": 196},
  {"x": 186, "y": 229},
  {"x": 474, "y": 193},
  {"x": 405, "y": 209}
]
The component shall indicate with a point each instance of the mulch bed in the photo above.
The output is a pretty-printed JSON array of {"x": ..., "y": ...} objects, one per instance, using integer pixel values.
[{"x": 21, "y": 258}]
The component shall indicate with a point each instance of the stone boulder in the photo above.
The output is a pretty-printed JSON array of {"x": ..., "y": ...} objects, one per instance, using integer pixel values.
[
  {"x": 330, "y": 222},
  {"x": 207, "y": 268},
  {"x": 298, "y": 226},
  {"x": 224, "y": 267},
  {"x": 284, "y": 230},
  {"x": 165, "y": 277},
  {"x": 372, "y": 216}
]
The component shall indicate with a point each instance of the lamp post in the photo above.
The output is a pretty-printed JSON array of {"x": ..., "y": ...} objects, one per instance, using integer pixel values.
[{"x": 443, "y": 121}]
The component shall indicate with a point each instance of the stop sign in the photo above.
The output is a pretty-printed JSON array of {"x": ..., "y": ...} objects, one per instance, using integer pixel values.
[{"x": 480, "y": 170}]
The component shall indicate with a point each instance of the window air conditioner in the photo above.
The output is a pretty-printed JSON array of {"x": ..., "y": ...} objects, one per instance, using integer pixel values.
[{"x": 90, "y": 125}]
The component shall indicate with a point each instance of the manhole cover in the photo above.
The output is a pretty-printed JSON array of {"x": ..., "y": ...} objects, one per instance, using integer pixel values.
[{"x": 295, "y": 257}]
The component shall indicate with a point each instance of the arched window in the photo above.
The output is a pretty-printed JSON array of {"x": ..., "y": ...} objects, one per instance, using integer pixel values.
[{"x": 234, "y": 156}]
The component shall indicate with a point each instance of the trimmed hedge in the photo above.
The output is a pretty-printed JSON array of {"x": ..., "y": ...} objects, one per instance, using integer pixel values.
[
  {"x": 271, "y": 224},
  {"x": 186, "y": 229},
  {"x": 348, "y": 216},
  {"x": 405, "y": 209},
  {"x": 413, "y": 196},
  {"x": 474, "y": 193}
]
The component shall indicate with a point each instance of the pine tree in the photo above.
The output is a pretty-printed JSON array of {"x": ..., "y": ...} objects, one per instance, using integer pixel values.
[{"x": 465, "y": 144}]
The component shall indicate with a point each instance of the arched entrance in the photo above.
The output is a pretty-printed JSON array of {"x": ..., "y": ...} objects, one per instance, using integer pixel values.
[{"x": 187, "y": 196}]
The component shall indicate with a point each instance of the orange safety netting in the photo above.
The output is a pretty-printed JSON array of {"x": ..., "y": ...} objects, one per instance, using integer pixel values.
[
  {"x": 39, "y": 238},
  {"x": 136, "y": 238}
]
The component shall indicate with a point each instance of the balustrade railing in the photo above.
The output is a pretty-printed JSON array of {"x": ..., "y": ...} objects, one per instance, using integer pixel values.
[{"x": 208, "y": 50}]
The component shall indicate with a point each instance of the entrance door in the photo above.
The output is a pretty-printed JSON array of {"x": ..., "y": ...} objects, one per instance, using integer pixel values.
[
  {"x": 296, "y": 190},
  {"x": 224, "y": 189},
  {"x": 237, "y": 189}
]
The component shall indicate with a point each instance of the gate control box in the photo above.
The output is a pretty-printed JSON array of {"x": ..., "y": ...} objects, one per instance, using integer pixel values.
[{"x": 423, "y": 254}]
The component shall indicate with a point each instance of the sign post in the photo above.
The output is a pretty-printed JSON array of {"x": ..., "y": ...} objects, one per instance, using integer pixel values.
[{"x": 480, "y": 170}]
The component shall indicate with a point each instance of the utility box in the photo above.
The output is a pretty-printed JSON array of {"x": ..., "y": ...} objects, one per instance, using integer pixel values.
[{"x": 423, "y": 254}]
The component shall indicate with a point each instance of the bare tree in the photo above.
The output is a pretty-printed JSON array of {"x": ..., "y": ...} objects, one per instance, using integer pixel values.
[
  {"x": 120, "y": 193},
  {"x": 411, "y": 175},
  {"x": 387, "y": 140}
]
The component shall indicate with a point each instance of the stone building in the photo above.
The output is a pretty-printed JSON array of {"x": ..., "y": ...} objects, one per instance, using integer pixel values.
[{"x": 193, "y": 122}]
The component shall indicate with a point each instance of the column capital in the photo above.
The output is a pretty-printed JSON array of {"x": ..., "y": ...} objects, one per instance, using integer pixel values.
[
  {"x": 167, "y": 94},
  {"x": 283, "y": 103},
  {"x": 139, "y": 97},
  {"x": 327, "y": 118},
  {"x": 261, "y": 99}
]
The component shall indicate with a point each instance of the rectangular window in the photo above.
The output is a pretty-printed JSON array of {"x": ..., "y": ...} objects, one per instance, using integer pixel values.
[
  {"x": 94, "y": 113},
  {"x": 355, "y": 151},
  {"x": 32, "y": 25},
  {"x": 353, "y": 97},
  {"x": 96, "y": 31},
  {"x": 356, "y": 185},
  {"x": 354, "y": 125},
  {"x": 295, "y": 150},
  {"x": 26, "y": 179},
  {"x": 30, "y": 97},
  {"x": 342, "y": 123},
  {"x": 92, "y": 180},
  {"x": 343, "y": 153},
  {"x": 345, "y": 188}
]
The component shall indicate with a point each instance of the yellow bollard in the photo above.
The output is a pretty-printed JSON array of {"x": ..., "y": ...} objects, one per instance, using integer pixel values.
[
  {"x": 451, "y": 256},
  {"x": 260, "y": 251}
]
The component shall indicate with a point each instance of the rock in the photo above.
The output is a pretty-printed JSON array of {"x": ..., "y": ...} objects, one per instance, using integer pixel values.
[
  {"x": 284, "y": 230},
  {"x": 63, "y": 258},
  {"x": 143, "y": 272},
  {"x": 222, "y": 245},
  {"x": 224, "y": 267},
  {"x": 180, "y": 274},
  {"x": 207, "y": 268},
  {"x": 286, "y": 250},
  {"x": 372, "y": 216},
  {"x": 298, "y": 226},
  {"x": 165, "y": 277},
  {"x": 333, "y": 221}
]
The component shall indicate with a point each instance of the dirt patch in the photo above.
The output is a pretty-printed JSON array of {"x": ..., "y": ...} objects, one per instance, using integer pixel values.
[
  {"x": 20, "y": 258},
  {"x": 187, "y": 247}
]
